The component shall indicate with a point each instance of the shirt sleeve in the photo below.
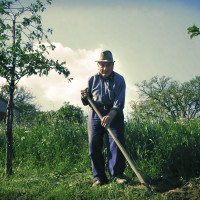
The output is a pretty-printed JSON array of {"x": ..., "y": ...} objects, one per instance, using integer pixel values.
[
  {"x": 119, "y": 101},
  {"x": 85, "y": 101}
]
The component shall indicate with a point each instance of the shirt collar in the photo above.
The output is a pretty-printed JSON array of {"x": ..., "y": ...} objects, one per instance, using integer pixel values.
[{"x": 110, "y": 77}]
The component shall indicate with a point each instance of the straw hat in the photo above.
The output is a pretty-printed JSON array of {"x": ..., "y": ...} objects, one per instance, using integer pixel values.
[{"x": 105, "y": 56}]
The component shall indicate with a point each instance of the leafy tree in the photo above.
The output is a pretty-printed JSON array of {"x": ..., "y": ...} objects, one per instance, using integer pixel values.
[
  {"x": 191, "y": 98},
  {"x": 193, "y": 31},
  {"x": 162, "y": 98},
  {"x": 147, "y": 110},
  {"x": 23, "y": 53},
  {"x": 24, "y": 100}
]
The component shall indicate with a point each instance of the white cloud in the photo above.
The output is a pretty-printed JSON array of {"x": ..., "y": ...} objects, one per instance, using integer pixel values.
[
  {"x": 131, "y": 94},
  {"x": 2, "y": 80},
  {"x": 52, "y": 91}
]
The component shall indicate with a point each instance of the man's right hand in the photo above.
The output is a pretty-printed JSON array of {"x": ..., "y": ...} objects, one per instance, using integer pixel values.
[{"x": 84, "y": 93}]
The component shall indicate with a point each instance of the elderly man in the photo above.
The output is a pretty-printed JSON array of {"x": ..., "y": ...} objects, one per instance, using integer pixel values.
[{"x": 107, "y": 90}]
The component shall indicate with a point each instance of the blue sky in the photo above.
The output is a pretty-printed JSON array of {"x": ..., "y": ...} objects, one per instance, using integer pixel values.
[{"x": 147, "y": 37}]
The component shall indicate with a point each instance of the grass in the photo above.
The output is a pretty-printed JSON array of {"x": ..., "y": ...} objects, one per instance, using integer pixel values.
[{"x": 69, "y": 186}]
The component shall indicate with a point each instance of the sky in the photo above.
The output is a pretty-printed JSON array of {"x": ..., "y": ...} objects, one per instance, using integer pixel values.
[{"x": 147, "y": 39}]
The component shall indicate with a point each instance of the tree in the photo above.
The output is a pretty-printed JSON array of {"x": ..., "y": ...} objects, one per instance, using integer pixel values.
[
  {"x": 24, "y": 100},
  {"x": 191, "y": 98},
  {"x": 193, "y": 31},
  {"x": 162, "y": 98},
  {"x": 23, "y": 53}
]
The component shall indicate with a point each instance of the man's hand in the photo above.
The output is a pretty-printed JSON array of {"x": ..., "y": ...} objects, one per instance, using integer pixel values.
[
  {"x": 84, "y": 93},
  {"x": 108, "y": 118}
]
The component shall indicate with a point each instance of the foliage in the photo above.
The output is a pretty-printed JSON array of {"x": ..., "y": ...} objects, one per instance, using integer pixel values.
[
  {"x": 24, "y": 101},
  {"x": 193, "y": 31},
  {"x": 71, "y": 113},
  {"x": 51, "y": 158},
  {"x": 54, "y": 136},
  {"x": 164, "y": 125},
  {"x": 22, "y": 42},
  {"x": 23, "y": 52},
  {"x": 163, "y": 98},
  {"x": 165, "y": 147}
]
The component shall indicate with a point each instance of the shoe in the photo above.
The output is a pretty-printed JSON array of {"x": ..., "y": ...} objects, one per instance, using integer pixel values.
[
  {"x": 120, "y": 180},
  {"x": 97, "y": 183}
]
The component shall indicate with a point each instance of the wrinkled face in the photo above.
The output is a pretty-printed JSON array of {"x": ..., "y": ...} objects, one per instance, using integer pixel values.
[{"x": 105, "y": 68}]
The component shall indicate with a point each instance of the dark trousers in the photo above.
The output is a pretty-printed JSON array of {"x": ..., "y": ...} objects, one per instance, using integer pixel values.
[{"x": 116, "y": 161}]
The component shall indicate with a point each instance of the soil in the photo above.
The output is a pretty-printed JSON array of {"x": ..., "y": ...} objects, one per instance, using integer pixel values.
[
  {"x": 190, "y": 191},
  {"x": 174, "y": 190}
]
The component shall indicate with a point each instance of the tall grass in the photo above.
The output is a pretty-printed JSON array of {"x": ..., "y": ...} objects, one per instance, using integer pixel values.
[
  {"x": 158, "y": 147},
  {"x": 50, "y": 142},
  {"x": 165, "y": 148}
]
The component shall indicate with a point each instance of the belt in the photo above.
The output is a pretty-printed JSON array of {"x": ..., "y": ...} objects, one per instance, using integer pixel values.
[{"x": 105, "y": 107}]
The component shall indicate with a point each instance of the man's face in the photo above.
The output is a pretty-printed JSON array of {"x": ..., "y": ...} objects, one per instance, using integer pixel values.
[{"x": 105, "y": 68}]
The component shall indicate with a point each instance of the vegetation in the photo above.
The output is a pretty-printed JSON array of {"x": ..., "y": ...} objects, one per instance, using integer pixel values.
[
  {"x": 51, "y": 157},
  {"x": 164, "y": 147},
  {"x": 24, "y": 101},
  {"x": 165, "y": 98},
  {"x": 23, "y": 53},
  {"x": 193, "y": 31},
  {"x": 50, "y": 154}
]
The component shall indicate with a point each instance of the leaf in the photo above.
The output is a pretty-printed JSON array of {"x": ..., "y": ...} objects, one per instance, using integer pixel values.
[
  {"x": 193, "y": 31},
  {"x": 2, "y": 37},
  {"x": 26, "y": 21},
  {"x": 1, "y": 8},
  {"x": 70, "y": 79},
  {"x": 49, "y": 1}
]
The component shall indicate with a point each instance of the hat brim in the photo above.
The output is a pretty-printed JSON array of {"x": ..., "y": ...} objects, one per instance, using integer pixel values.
[{"x": 109, "y": 61}]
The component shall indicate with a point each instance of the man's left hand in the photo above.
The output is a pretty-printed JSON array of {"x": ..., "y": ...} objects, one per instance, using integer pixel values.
[
  {"x": 106, "y": 121},
  {"x": 108, "y": 118}
]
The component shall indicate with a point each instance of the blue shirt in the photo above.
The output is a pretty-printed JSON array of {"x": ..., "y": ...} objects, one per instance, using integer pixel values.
[{"x": 109, "y": 92}]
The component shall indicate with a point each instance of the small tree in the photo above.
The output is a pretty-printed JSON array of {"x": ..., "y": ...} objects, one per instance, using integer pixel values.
[{"x": 23, "y": 53}]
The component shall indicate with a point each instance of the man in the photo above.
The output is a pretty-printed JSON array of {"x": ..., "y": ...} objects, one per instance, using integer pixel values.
[{"x": 107, "y": 90}]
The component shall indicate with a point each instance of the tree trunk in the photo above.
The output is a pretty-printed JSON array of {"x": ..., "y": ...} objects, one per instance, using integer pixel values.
[
  {"x": 9, "y": 114},
  {"x": 9, "y": 131}
]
